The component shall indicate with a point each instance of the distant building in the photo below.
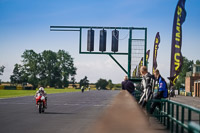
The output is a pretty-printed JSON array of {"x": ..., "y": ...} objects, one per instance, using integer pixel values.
[
  {"x": 197, "y": 88},
  {"x": 192, "y": 81}
]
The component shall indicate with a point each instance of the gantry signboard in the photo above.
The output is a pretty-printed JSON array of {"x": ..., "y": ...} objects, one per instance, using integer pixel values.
[{"x": 136, "y": 47}]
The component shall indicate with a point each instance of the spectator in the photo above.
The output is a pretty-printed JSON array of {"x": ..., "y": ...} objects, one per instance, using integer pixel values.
[
  {"x": 146, "y": 85},
  {"x": 172, "y": 92},
  {"x": 162, "y": 90},
  {"x": 128, "y": 85}
]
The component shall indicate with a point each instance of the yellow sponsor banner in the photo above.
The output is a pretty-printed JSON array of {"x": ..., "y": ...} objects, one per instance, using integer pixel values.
[
  {"x": 1, "y": 87},
  {"x": 19, "y": 87}
]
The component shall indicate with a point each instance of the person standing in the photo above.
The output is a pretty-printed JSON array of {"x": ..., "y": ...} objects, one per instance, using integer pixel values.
[
  {"x": 146, "y": 85},
  {"x": 162, "y": 90},
  {"x": 128, "y": 85}
]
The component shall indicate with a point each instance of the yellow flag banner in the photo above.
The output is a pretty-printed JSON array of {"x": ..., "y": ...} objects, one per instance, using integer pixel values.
[
  {"x": 176, "y": 55},
  {"x": 155, "y": 51}
]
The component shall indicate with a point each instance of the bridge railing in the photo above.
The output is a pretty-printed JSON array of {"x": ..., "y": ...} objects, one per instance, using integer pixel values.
[{"x": 174, "y": 115}]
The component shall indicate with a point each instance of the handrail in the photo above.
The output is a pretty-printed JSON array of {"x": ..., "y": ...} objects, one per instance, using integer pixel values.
[
  {"x": 167, "y": 114},
  {"x": 193, "y": 128},
  {"x": 179, "y": 104}
]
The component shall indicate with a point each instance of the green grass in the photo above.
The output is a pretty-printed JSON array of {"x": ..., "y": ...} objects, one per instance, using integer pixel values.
[{"x": 20, "y": 93}]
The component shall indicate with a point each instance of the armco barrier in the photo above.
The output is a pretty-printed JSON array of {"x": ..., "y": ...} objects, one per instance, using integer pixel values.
[
  {"x": 174, "y": 115},
  {"x": 6, "y": 87},
  {"x": 28, "y": 88},
  {"x": 10, "y": 87}
]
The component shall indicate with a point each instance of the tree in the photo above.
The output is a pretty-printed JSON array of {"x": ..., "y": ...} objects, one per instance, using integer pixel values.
[
  {"x": 47, "y": 68},
  {"x": 66, "y": 64},
  {"x": 84, "y": 82},
  {"x": 16, "y": 77},
  {"x": 102, "y": 83},
  {"x": 49, "y": 72},
  {"x": 31, "y": 65},
  {"x": 198, "y": 62},
  {"x": 186, "y": 67},
  {"x": 110, "y": 84},
  {"x": 1, "y": 71}
]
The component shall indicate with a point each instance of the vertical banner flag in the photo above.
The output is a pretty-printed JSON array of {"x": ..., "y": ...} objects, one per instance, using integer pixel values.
[
  {"x": 147, "y": 55},
  {"x": 134, "y": 72},
  {"x": 155, "y": 51},
  {"x": 140, "y": 65},
  {"x": 176, "y": 55}
]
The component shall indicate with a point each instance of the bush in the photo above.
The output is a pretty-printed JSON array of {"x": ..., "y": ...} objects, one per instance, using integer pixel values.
[{"x": 102, "y": 83}]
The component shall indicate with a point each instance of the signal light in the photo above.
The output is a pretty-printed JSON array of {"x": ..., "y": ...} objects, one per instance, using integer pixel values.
[
  {"x": 115, "y": 40},
  {"x": 90, "y": 40},
  {"x": 102, "y": 42}
]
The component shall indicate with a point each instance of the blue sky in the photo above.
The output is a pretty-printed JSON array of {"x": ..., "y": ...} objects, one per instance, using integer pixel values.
[{"x": 25, "y": 24}]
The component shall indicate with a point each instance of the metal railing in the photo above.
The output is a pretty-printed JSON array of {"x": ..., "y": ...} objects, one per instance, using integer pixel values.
[
  {"x": 193, "y": 128},
  {"x": 176, "y": 116}
]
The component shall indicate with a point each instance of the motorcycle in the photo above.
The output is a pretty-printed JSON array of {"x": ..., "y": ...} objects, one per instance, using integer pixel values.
[{"x": 40, "y": 102}]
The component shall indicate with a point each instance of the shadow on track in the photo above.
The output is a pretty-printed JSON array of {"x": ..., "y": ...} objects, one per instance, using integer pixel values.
[{"x": 58, "y": 113}]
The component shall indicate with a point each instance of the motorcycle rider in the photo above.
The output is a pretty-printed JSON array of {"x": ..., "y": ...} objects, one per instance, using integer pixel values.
[
  {"x": 42, "y": 92},
  {"x": 146, "y": 85},
  {"x": 82, "y": 88}
]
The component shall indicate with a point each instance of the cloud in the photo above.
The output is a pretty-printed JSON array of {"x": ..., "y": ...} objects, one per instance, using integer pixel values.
[{"x": 96, "y": 69}]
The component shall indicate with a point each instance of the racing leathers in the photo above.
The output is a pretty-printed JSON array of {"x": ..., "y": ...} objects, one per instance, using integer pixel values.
[
  {"x": 146, "y": 85},
  {"x": 43, "y": 93}
]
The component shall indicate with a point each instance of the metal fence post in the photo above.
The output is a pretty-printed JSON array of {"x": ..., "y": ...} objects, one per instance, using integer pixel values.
[
  {"x": 168, "y": 113},
  {"x": 165, "y": 114},
  {"x": 182, "y": 119},
  {"x": 172, "y": 121},
  {"x": 189, "y": 115},
  {"x": 177, "y": 118},
  {"x": 161, "y": 114}
]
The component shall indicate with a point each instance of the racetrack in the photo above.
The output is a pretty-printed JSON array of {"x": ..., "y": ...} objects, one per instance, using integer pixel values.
[{"x": 72, "y": 112}]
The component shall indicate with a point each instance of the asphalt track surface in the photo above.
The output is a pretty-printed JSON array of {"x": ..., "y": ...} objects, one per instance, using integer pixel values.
[{"x": 72, "y": 112}]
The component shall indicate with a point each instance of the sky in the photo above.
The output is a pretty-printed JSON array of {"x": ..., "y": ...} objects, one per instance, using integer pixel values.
[{"x": 25, "y": 24}]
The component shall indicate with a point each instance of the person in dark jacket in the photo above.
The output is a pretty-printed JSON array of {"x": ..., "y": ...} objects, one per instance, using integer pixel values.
[
  {"x": 128, "y": 85},
  {"x": 162, "y": 90}
]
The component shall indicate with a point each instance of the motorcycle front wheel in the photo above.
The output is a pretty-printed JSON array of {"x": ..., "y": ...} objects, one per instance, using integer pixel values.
[{"x": 40, "y": 108}]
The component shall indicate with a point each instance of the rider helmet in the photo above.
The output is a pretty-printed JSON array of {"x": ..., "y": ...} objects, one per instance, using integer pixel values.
[{"x": 41, "y": 89}]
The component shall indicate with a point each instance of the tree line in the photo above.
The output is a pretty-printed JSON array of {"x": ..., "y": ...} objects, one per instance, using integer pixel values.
[
  {"x": 102, "y": 84},
  {"x": 56, "y": 69},
  {"x": 53, "y": 69},
  {"x": 48, "y": 68}
]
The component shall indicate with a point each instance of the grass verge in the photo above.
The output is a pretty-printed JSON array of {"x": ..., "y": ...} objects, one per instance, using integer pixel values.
[{"x": 20, "y": 93}]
